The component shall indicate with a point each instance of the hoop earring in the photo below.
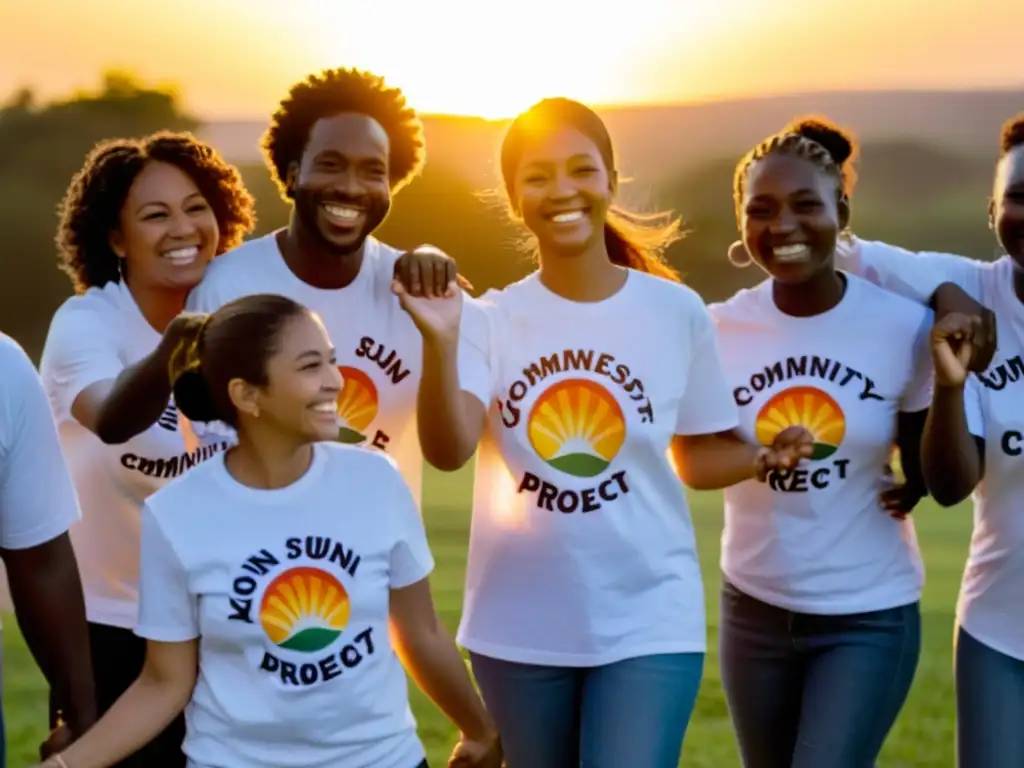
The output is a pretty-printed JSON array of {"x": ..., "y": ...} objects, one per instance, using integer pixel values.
[{"x": 738, "y": 255}]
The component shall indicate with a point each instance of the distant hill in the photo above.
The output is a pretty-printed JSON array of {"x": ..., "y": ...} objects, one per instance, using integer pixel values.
[{"x": 659, "y": 143}]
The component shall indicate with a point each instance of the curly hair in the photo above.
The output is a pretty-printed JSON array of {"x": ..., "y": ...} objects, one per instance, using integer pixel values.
[
  {"x": 91, "y": 207},
  {"x": 1012, "y": 134},
  {"x": 828, "y": 148},
  {"x": 332, "y": 92}
]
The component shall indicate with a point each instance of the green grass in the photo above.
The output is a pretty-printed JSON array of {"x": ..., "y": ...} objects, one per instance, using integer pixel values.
[{"x": 923, "y": 735}]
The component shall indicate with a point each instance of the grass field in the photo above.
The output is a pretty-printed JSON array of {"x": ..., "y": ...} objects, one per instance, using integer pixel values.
[{"x": 923, "y": 735}]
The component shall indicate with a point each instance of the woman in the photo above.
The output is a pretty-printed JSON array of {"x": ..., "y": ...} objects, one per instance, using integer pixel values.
[
  {"x": 269, "y": 575},
  {"x": 139, "y": 224},
  {"x": 584, "y": 612},
  {"x": 973, "y": 442},
  {"x": 822, "y": 575}
]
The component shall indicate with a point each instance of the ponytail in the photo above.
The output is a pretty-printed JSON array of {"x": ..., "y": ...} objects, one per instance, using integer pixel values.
[
  {"x": 192, "y": 393},
  {"x": 639, "y": 241}
]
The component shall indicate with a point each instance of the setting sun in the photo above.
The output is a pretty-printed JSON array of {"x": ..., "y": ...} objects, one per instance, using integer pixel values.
[{"x": 476, "y": 61}]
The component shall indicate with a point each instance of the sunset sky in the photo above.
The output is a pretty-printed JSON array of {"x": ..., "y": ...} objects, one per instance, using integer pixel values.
[{"x": 236, "y": 58}]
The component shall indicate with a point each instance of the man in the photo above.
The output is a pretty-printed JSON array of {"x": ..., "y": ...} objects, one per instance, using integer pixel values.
[
  {"x": 37, "y": 506},
  {"x": 339, "y": 146}
]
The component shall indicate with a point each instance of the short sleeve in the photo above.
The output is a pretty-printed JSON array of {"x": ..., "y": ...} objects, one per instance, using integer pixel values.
[
  {"x": 475, "y": 352},
  {"x": 918, "y": 394},
  {"x": 913, "y": 275},
  {"x": 168, "y": 611},
  {"x": 37, "y": 498},
  {"x": 707, "y": 406},
  {"x": 81, "y": 350},
  {"x": 974, "y": 412},
  {"x": 410, "y": 560}
]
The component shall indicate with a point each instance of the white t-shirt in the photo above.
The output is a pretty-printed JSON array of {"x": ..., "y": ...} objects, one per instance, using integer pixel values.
[
  {"x": 582, "y": 551},
  {"x": 288, "y": 594},
  {"x": 94, "y": 337},
  {"x": 379, "y": 348},
  {"x": 37, "y": 500},
  {"x": 994, "y": 576},
  {"x": 914, "y": 275},
  {"x": 816, "y": 540}
]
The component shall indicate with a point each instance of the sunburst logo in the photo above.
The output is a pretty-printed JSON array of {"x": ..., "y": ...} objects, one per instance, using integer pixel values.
[
  {"x": 357, "y": 405},
  {"x": 577, "y": 427},
  {"x": 804, "y": 407},
  {"x": 304, "y": 609}
]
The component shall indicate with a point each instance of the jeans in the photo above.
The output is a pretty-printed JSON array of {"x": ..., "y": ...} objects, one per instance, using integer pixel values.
[
  {"x": 807, "y": 691},
  {"x": 989, "y": 705},
  {"x": 630, "y": 713}
]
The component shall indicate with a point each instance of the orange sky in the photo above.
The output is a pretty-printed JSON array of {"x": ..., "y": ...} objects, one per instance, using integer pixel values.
[{"x": 236, "y": 58}]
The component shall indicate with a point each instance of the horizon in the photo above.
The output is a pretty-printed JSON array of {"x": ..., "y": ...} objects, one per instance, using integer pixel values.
[{"x": 244, "y": 54}]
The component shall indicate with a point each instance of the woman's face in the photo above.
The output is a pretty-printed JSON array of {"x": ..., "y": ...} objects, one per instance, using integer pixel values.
[
  {"x": 562, "y": 191},
  {"x": 303, "y": 383},
  {"x": 791, "y": 217},
  {"x": 167, "y": 232},
  {"x": 1008, "y": 204}
]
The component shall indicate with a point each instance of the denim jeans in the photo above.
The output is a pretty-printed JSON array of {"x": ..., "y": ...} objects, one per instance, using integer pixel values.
[
  {"x": 630, "y": 713},
  {"x": 989, "y": 705},
  {"x": 807, "y": 691}
]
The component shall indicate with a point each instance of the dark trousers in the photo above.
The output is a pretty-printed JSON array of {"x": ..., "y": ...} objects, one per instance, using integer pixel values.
[
  {"x": 807, "y": 691},
  {"x": 117, "y": 658}
]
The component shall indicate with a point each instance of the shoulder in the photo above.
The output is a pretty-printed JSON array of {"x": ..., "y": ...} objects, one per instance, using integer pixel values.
[
  {"x": 16, "y": 371},
  {"x": 96, "y": 305},
  {"x": 93, "y": 320},
  {"x": 352, "y": 461},
  {"x": 742, "y": 307},
  {"x": 885, "y": 306},
  {"x": 243, "y": 258},
  {"x": 13, "y": 359},
  {"x": 510, "y": 295},
  {"x": 186, "y": 504}
]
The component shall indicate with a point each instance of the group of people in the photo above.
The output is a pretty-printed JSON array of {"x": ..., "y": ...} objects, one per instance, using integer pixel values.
[{"x": 244, "y": 426}]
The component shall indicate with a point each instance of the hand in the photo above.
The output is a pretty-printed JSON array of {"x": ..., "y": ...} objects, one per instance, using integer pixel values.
[
  {"x": 60, "y": 738},
  {"x": 953, "y": 348},
  {"x": 787, "y": 449},
  {"x": 427, "y": 271},
  {"x": 483, "y": 753},
  {"x": 437, "y": 319},
  {"x": 899, "y": 499},
  {"x": 951, "y": 299}
]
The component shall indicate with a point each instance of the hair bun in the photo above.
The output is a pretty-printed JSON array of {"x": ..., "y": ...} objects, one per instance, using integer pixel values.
[
  {"x": 837, "y": 142},
  {"x": 193, "y": 397}
]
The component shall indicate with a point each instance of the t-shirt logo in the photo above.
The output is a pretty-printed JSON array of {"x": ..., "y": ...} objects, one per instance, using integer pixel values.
[
  {"x": 357, "y": 405},
  {"x": 295, "y": 595},
  {"x": 806, "y": 407},
  {"x": 304, "y": 609},
  {"x": 576, "y": 427}
]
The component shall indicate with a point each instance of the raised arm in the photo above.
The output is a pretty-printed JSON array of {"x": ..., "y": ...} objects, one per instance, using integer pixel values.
[
  {"x": 455, "y": 386},
  {"x": 168, "y": 619},
  {"x": 952, "y": 459},
  {"x": 37, "y": 506},
  {"x": 423, "y": 644},
  {"x": 112, "y": 401}
]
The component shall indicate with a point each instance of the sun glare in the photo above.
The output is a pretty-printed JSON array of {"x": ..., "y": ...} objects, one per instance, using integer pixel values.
[{"x": 464, "y": 57}]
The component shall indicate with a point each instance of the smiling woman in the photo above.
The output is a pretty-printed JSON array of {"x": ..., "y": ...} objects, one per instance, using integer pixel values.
[{"x": 140, "y": 222}]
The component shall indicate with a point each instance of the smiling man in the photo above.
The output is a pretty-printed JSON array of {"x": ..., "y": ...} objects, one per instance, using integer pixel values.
[{"x": 339, "y": 146}]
